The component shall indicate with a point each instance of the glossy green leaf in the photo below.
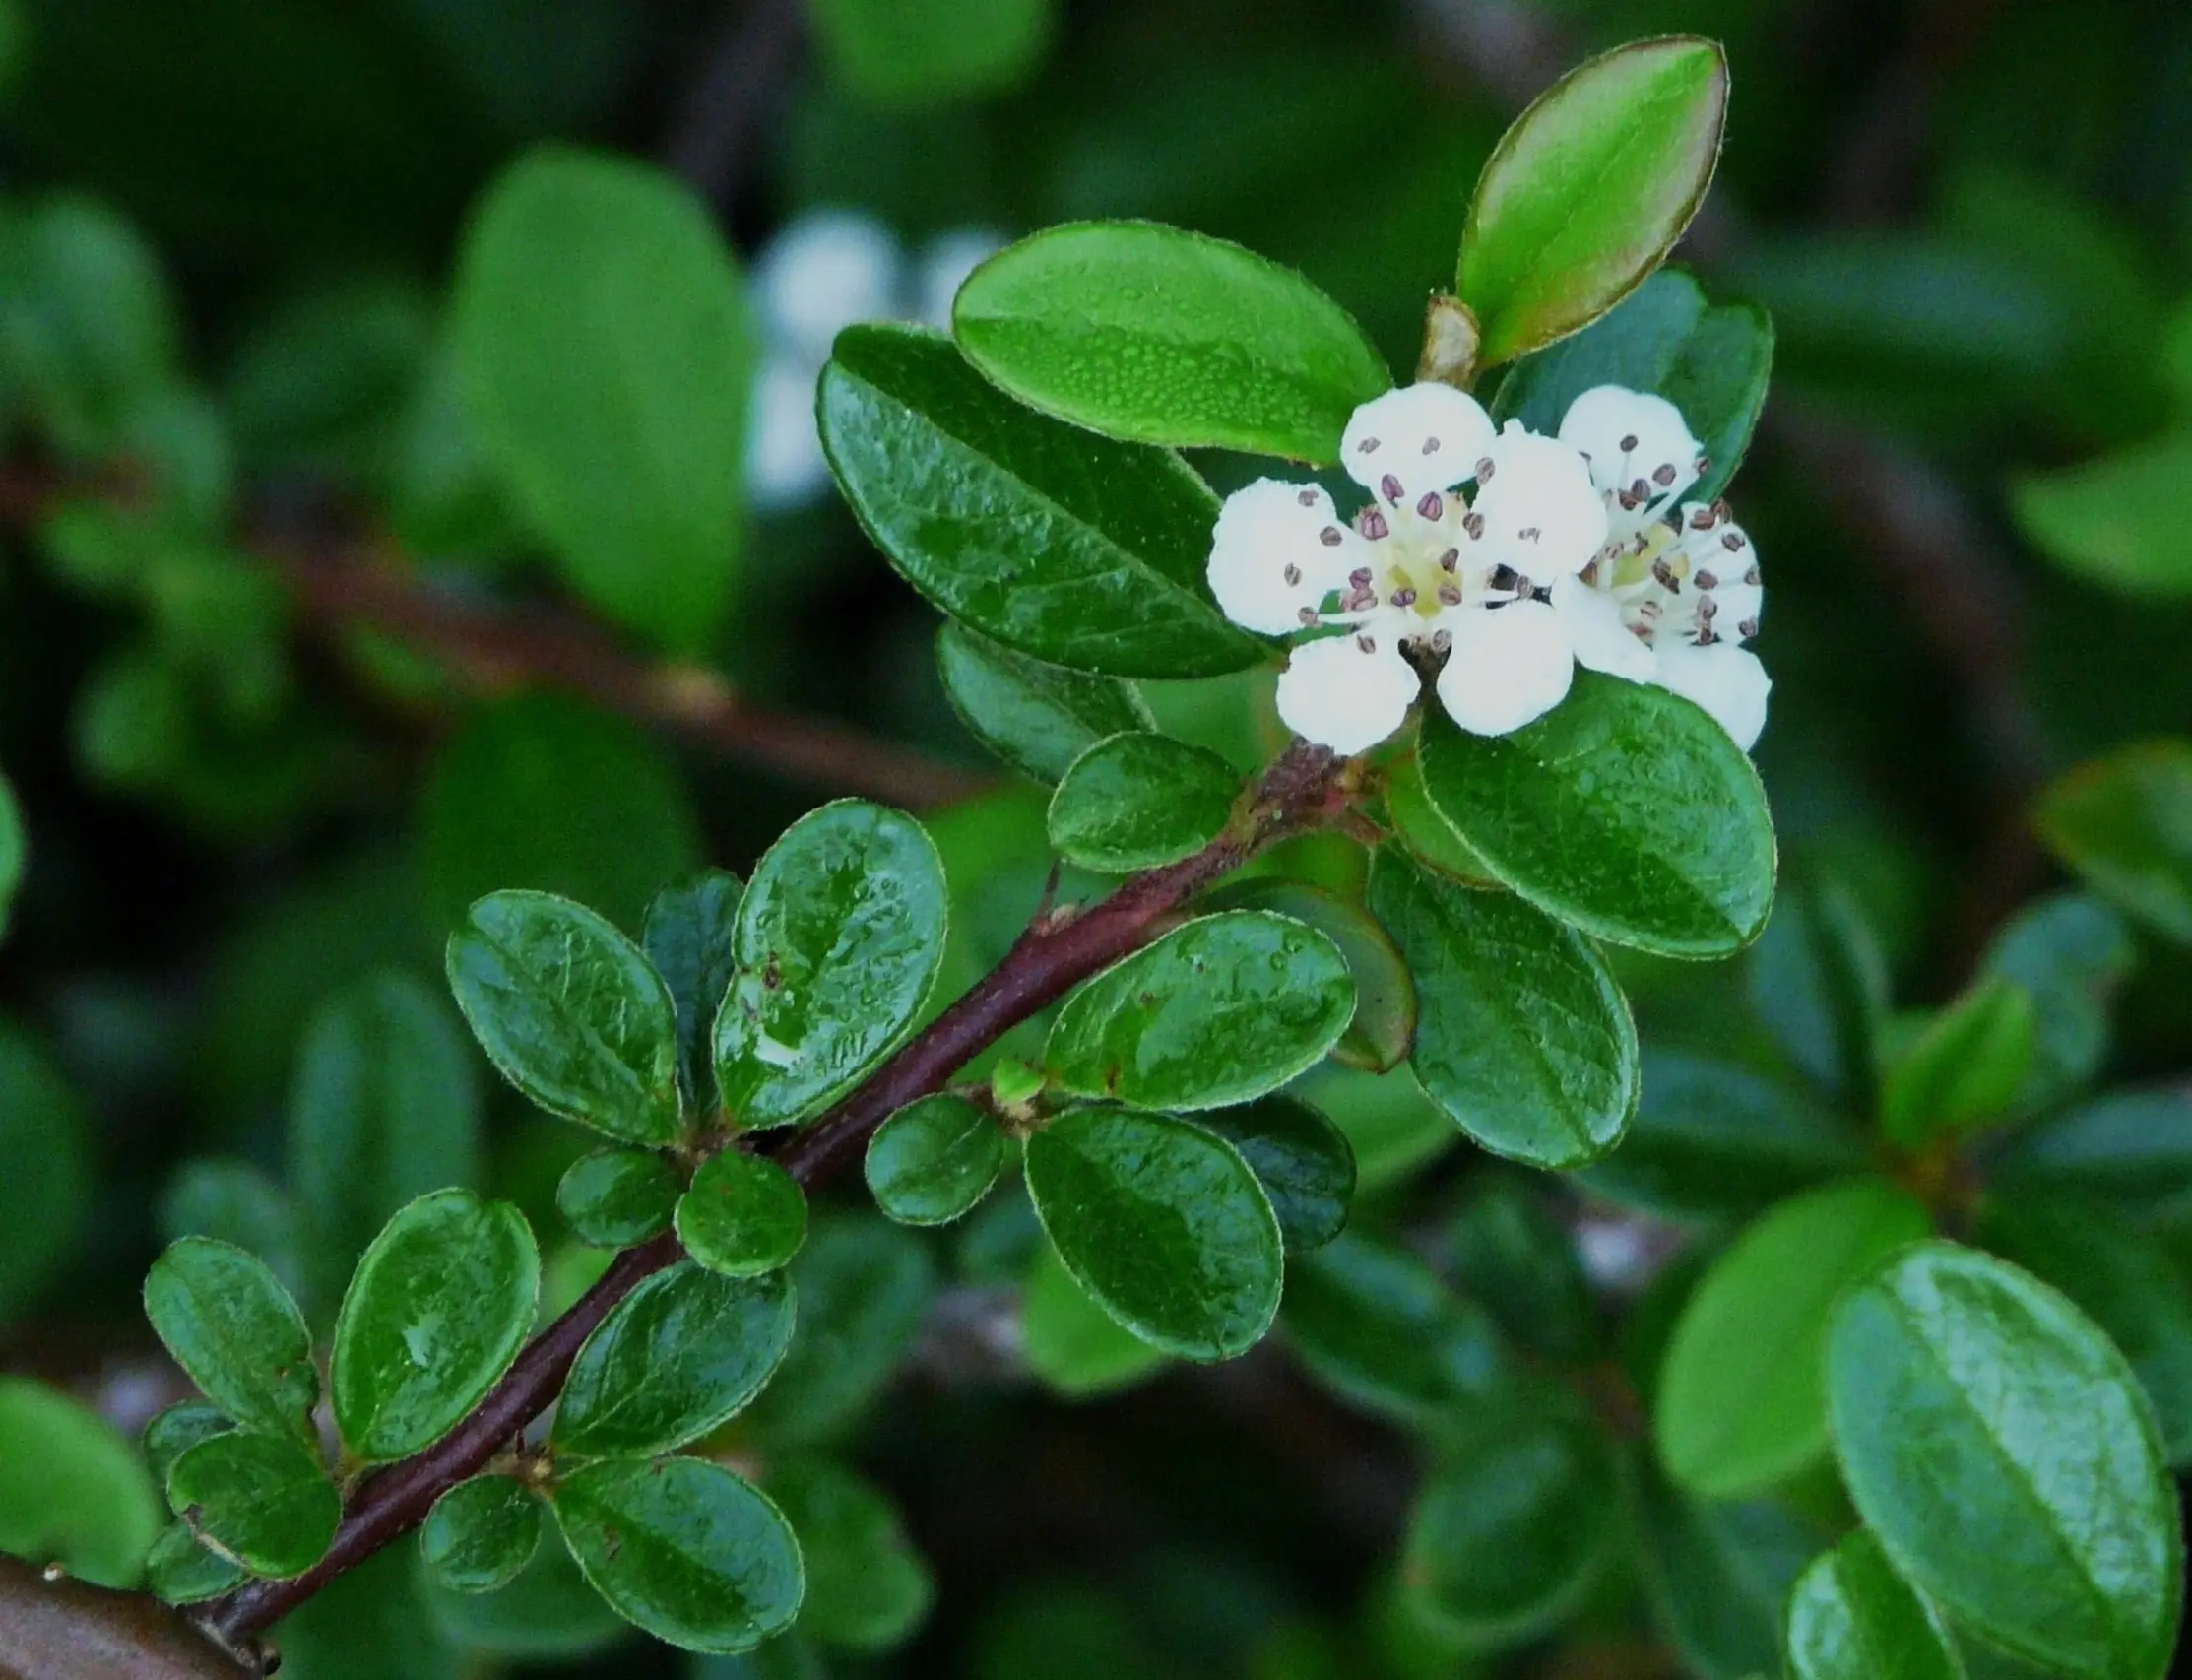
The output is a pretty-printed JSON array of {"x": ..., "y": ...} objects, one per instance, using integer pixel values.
[
  {"x": 690, "y": 937},
  {"x": 1712, "y": 1142},
  {"x": 741, "y": 1215},
  {"x": 1625, "y": 810},
  {"x": 1742, "y": 1401},
  {"x": 1999, "y": 1448},
  {"x": 1717, "y": 1576},
  {"x": 2114, "y": 521},
  {"x": 2070, "y": 954},
  {"x": 237, "y": 1335},
  {"x": 1138, "y": 800},
  {"x": 481, "y": 1534},
  {"x": 1145, "y": 332},
  {"x": 933, "y": 1160},
  {"x": 685, "y": 1350},
  {"x": 548, "y": 1611},
  {"x": 45, "y": 1139},
  {"x": 2131, "y": 1148},
  {"x": 1588, "y": 190},
  {"x": 264, "y": 1501},
  {"x": 174, "y": 1432},
  {"x": 440, "y": 1307},
  {"x": 72, "y": 1492},
  {"x": 1523, "y": 1037},
  {"x": 605, "y": 354},
  {"x": 1217, "y": 1011},
  {"x": 683, "y": 1549},
  {"x": 839, "y": 937},
  {"x": 182, "y": 1568},
  {"x": 1036, "y": 717},
  {"x": 570, "y": 1011},
  {"x": 615, "y": 1197},
  {"x": 1300, "y": 1158},
  {"x": 2124, "y": 824},
  {"x": 901, "y": 56},
  {"x": 1163, "y": 1223},
  {"x": 1510, "y": 1252},
  {"x": 1073, "y": 1344},
  {"x": 866, "y": 1587},
  {"x": 1820, "y": 984},
  {"x": 1062, "y": 545},
  {"x": 1965, "y": 1067},
  {"x": 864, "y": 1286},
  {"x": 1383, "y": 1026},
  {"x": 1851, "y": 1617},
  {"x": 1712, "y": 363}
]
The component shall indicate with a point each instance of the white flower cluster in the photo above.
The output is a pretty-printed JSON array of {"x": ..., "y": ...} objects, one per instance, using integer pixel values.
[{"x": 1568, "y": 549}]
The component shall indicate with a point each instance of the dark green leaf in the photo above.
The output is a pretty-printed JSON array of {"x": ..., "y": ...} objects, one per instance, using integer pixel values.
[
  {"x": 233, "y": 1328},
  {"x": 571, "y": 1014},
  {"x": 690, "y": 937},
  {"x": 481, "y": 1534},
  {"x": 1138, "y": 800},
  {"x": 1300, "y": 1158},
  {"x": 1999, "y": 1448},
  {"x": 1589, "y": 188},
  {"x": 683, "y": 1549},
  {"x": 839, "y": 937},
  {"x": 2114, "y": 521},
  {"x": 439, "y": 1309},
  {"x": 1742, "y": 1403},
  {"x": 1625, "y": 810},
  {"x": 178, "y": 1429},
  {"x": 741, "y": 1215},
  {"x": 72, "y": 1492},
  {"x": 1851, "y": 1617},
  {"x": 2132, "y": 1149},
  {"x": 548, "y": 1612},
  {"x": 1071, "y": 1343},
  {"x": 1430, "y": 838},
  {"x": 1163, "y": 1223},
  {"x": 45, "y": 1141},
  {"x": 933, "y": 1160},
  {"x": 1820, "y": 984},
  {"x": 1964, "y": 1068},
  {"x": 604, "y": 351},
  {"x": 1378, "y": 1038},
  {"x": 1036, "y": 717},
  {"x": 677, "y": 1356},
  {"x": 182, "y": 1568},
  {"x": 1717, "y": 1576},
  {"x": 1218, "y": 1011},
  {"x": 263, "y": 1501},
  {"x": 1151, "y": 334},
  {"x": 866, "y": 1587},
  {"x": 615, "y": 1197},
  {"x": 1062, "y": 545},
  {"x": 1523, "y": 1037},
  {"x": 922, "y": 55},
  {"x": 862, "y": 1289},
  {"x": 235, "y": 1203},
  {"x": 2070, "y": 954},
  {"x": 2124, "y": 824},
  {"x": 13, "y": 847},
  {"x": 1512, "y": 1253}
]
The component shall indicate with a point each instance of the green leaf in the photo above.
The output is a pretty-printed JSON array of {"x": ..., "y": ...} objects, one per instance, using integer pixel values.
[
  {"x": 233, "y": 1328},
  {"x": 46, "y": 1192},
  {"x": 548, "y": 1612},
  {"x": 384, "y": 1107},
  {"x": 1515, "y": 1255},
  {"x": 1157, "y": 336},
  {"x": 910, "y": 56},
  {"x": 1375, "y": 1325},
  {"x": 1217, "y": 1011},
  {"x": 684, "y": 1352},
  {"x": 1523, "y": 1037},
  {"x": 1588, "y": 190},
  {"x": 605, "y": 354},
  {"x": 839, "y": 938},
  {"x": 72, "y": 1492},
  {"x": 371, "y": 1622},
  {"x": 1138, "y": 800},
  {"x": 1742, "y": 1401},
  {"x": 690, "y": 937},
  {"x": 1663, "y": 337},
  {"x": 1512, "y": 1531},
  {"x": 570, "y": 1012},
  {"x": 261, "y": 1500},
  {"x": 1300, "y": 1158},
  {"x": 2124, "y": 824},
  {"x": 182, "y": 1568},
  {"x": 176, "y": 1430},
  {"x": 1036, "y": 717},
  {"x": 1851, "y": 1617},
  {"x": 683, "y": 1549},
  {"x": 1820, "y": 984},
  {"x": 1717, "y": 1576},
  {"x": 1430, "y": 838},
  {"x": 2070, "y": 954},
  {"x": 481, "y": 1534},
  {"x": 742, "y": 1214},
  {"x": 615, "y": 1197},
  {"x": 1062, "y": 545},
  {"x": 2132, "y": 1149},
  {"x": 2114, "y": 521},
  {"x": 1383, "y": 1026},
  {"x": 1076, "y": 1347},
  {"x": 866, "y": 1587},
  {"x": 1625, "y": 810},
  {"x": 1964, "y": 1068},
  {"x": 1163, "y": 1223},
  {"x": 863, "y": 1286},
  {"x": 1710, "y": 1142},
  {"x": 13, "y": 849},
  {"x": 933, "y": 1160},
  {"x": 439, "y": 1309},
  {"x": 1999, "y": 1448},
  {"x": 231, "y": 1202}
]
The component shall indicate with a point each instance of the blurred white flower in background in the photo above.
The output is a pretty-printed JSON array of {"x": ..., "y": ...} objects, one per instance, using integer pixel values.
[{"x": 824, "y": 271}]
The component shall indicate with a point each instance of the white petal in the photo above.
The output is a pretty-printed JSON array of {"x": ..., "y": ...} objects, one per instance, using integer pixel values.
[
  {"x": 826, "y": 271},
  {"x": 1335, "y": 694},
  {"x": 1632, "y": 436},
  {"x": 784, "y": 463},
  {"x": 1510, "y": 665},
  {"x": 1540, "y": 513},
  {"x": 1726, "y": 680},
  {"x": 942, "y": 268},
  {"x": 1596, "y": 631},
  {"x": 1420, "y": 438},
  {"x": 1266, "y": 529}
]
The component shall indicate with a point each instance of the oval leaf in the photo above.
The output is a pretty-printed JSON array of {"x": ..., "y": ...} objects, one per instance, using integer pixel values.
[
  {"x": 742, "y": 1214},
  {"x": 237, "y": 1333},
  {"x": 1073, "y": 1344},
  {"x": 933, "y": 1160},
  {"x": 1378, "y": 1038},
  {"x": 1036, "y": 717},
  {"x": 1851, "y": 1617},
  {"x": 866, "y": 1587},
  {"x": 481, "y": 1534},
  {"x": 1301, "y": 1159},
  {"x": 2132, "y": 1149},
  {"x": 259, "y": 1499},
  {"x": 615, "y": 1197},
  {"x": 689, "y": 936},
  {"x": 863, "y": 1286},
  {"x": 72, "y": 1491},
  {"x": 2124, "y": 824},
  {"x": 1964, "y": 1068},
  {"x": 1138, "y": 800}
]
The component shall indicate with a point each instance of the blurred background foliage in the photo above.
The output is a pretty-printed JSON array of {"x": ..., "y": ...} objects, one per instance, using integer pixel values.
[{"x": 256, "y": 794}]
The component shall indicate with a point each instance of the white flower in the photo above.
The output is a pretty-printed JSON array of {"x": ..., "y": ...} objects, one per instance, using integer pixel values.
[{"x": 1420, "y": 567}]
